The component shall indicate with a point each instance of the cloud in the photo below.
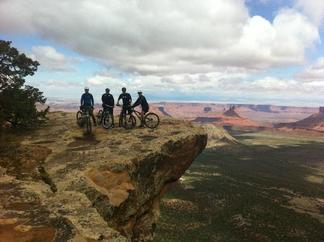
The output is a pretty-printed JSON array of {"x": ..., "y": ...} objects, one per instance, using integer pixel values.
[
  {"x": 51, "y": 59},
  {"x": 105, "y": 80},
  {"x": 55, "y": 84},
  {"x": 153, "y": 37},
  {"x": 313, "y": 73},
  {"x": 313, "y": 8},
  {"x": 229, "y": 84}
]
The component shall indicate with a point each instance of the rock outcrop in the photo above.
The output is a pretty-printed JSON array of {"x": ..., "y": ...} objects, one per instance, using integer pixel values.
[
  {"x": 60, "y": 186},
  {"x": 218, "y": 136},
  {"x": 231, "y": 112}
]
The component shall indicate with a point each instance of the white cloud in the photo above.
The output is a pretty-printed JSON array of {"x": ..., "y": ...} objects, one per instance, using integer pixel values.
[
  {"x": 154, "y": 37},
  {"x": 313, "y": 8},
  {"x": 229, "y": 84},
  {"x": 106, "y": 81},
  {"x": 313, "y": 73},
  {"x": 51, "y": 59},
  {"x": 54, "y": 84}
]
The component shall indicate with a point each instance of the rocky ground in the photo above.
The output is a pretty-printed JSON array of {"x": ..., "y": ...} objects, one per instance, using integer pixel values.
[{"x": 57, "y": 185}]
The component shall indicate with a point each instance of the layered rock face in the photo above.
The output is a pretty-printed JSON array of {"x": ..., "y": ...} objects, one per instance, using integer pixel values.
[{"x": 67, "y": 187}]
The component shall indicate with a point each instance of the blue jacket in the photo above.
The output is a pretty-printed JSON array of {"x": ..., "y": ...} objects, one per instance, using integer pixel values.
[{"x": 87, "y": 99}]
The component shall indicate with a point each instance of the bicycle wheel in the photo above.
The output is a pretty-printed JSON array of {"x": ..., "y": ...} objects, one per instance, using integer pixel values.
[
  {"x": 107, "y": 121},
  {"x": 130, "y": 122},
  {"x": 99, "y": 117},
  {"x": 151, "y": 120},
  {"x": 79, "y": 118},
  {"x": 88, "y": 126}
]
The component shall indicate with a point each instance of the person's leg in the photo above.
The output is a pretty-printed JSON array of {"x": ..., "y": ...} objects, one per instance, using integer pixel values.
[
  {"x": 129, "y": 110},
  {"x": 93, "y": 117},
  {"x": 142, "y": 118},
  {"x": 111, "y": 111},
  {"x": 103, "y": 114},
  {"x": 123, "y": 116}
]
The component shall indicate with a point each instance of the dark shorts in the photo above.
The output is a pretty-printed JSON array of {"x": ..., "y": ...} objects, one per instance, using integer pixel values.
[
  {"x": 84, "y": 108},
  {"x": 109, "y": 110},
  {"x": 127, "y": 109}
]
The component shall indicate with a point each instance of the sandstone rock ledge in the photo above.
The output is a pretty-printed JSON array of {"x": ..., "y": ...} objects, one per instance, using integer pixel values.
[{"x": 107, "y": 187}]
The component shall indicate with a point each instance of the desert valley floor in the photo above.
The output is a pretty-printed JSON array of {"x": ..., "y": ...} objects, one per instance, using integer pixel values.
[{"x": 268, "y": 187}]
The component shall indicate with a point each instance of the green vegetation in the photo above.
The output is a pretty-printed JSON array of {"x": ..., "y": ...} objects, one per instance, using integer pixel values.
[
  {"x": 18, "y": 101},
  {"x": 246, "y": 192}
]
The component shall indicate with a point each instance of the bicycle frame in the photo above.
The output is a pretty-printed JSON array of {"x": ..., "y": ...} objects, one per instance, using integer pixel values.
[
  {"x": 85, "y": 113},
  {"x": 103, "y": 113},
  {"x": 138, "y": 114}
]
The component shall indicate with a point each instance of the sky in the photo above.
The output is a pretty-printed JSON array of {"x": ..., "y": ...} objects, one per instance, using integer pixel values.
[{"x": 235, "y": 51}]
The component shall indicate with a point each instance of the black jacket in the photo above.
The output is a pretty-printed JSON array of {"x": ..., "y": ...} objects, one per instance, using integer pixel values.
[
  {"x": 127, "y": 99},
  {"x": 108, "y": 99},
  {"x": 87, "y": 99},
  {"x": 141, "y": 100}
]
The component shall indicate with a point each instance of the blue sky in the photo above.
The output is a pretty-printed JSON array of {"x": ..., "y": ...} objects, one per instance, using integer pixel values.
[{"x": 253, "y": 51}]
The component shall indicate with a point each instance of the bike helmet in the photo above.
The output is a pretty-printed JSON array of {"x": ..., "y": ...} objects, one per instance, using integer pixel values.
[
  {"x": 139, "y": 91},
  {"x": 107, "y": 89},
  {"x": 86, "y": 88}
]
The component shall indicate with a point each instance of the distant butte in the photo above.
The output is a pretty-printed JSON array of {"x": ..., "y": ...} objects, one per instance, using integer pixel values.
[{"x": 314, "y": 122}]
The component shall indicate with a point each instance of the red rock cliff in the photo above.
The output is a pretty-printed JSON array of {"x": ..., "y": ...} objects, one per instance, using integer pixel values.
[{"x": 103, "y": 188}]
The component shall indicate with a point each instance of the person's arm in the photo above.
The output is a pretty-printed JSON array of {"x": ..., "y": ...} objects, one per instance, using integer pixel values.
[
  {"x": 120, "y": 97},
  {"x": 103, "y": 100},
  {"x": 113, "y": 101},
  {"x": 92, "y": 100},
  {"x": 82, "y": 100},
  {"x": 137, "y": 102}
]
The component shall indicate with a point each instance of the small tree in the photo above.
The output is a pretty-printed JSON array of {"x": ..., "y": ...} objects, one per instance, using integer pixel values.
[{"x": 18, "y": 101}]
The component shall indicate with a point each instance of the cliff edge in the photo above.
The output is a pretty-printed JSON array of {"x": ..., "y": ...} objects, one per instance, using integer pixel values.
[{"x": 58, "y": 185}]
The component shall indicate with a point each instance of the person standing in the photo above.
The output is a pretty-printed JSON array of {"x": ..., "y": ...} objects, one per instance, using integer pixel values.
[
  {"x": 108, "y": 104},
  {"x": 127, "y": 101},
  {"x": 87, "y": 102},
  {"x": 141, "y": 101}
]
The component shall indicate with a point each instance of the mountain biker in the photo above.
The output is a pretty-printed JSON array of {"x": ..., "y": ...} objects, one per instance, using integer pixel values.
[
  {"x": 88, "y": 102},
  {"x": 108, "y": 104},
  {"x": 141, "y": 100},
  {"x": 127, "y": 101}
]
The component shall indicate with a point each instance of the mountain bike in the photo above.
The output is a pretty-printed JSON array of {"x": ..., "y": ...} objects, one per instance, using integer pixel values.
[
  {"x": 105, "y": 118},
  {"x": 83, "y": 119},
  {"x": 150, "y": 120},
  {"x": 126, "y": 120}
]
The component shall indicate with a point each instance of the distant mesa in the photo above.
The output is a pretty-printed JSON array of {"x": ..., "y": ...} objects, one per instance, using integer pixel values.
[
  {"x": 229, "y": 118},
  {"x": 205, "y": 120},
  {"x": 162, "y": 110},
  {"x": 314, "y": 122},
  {"x": 262, "y": 108},
  {"x": 231, "y": 112}
]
